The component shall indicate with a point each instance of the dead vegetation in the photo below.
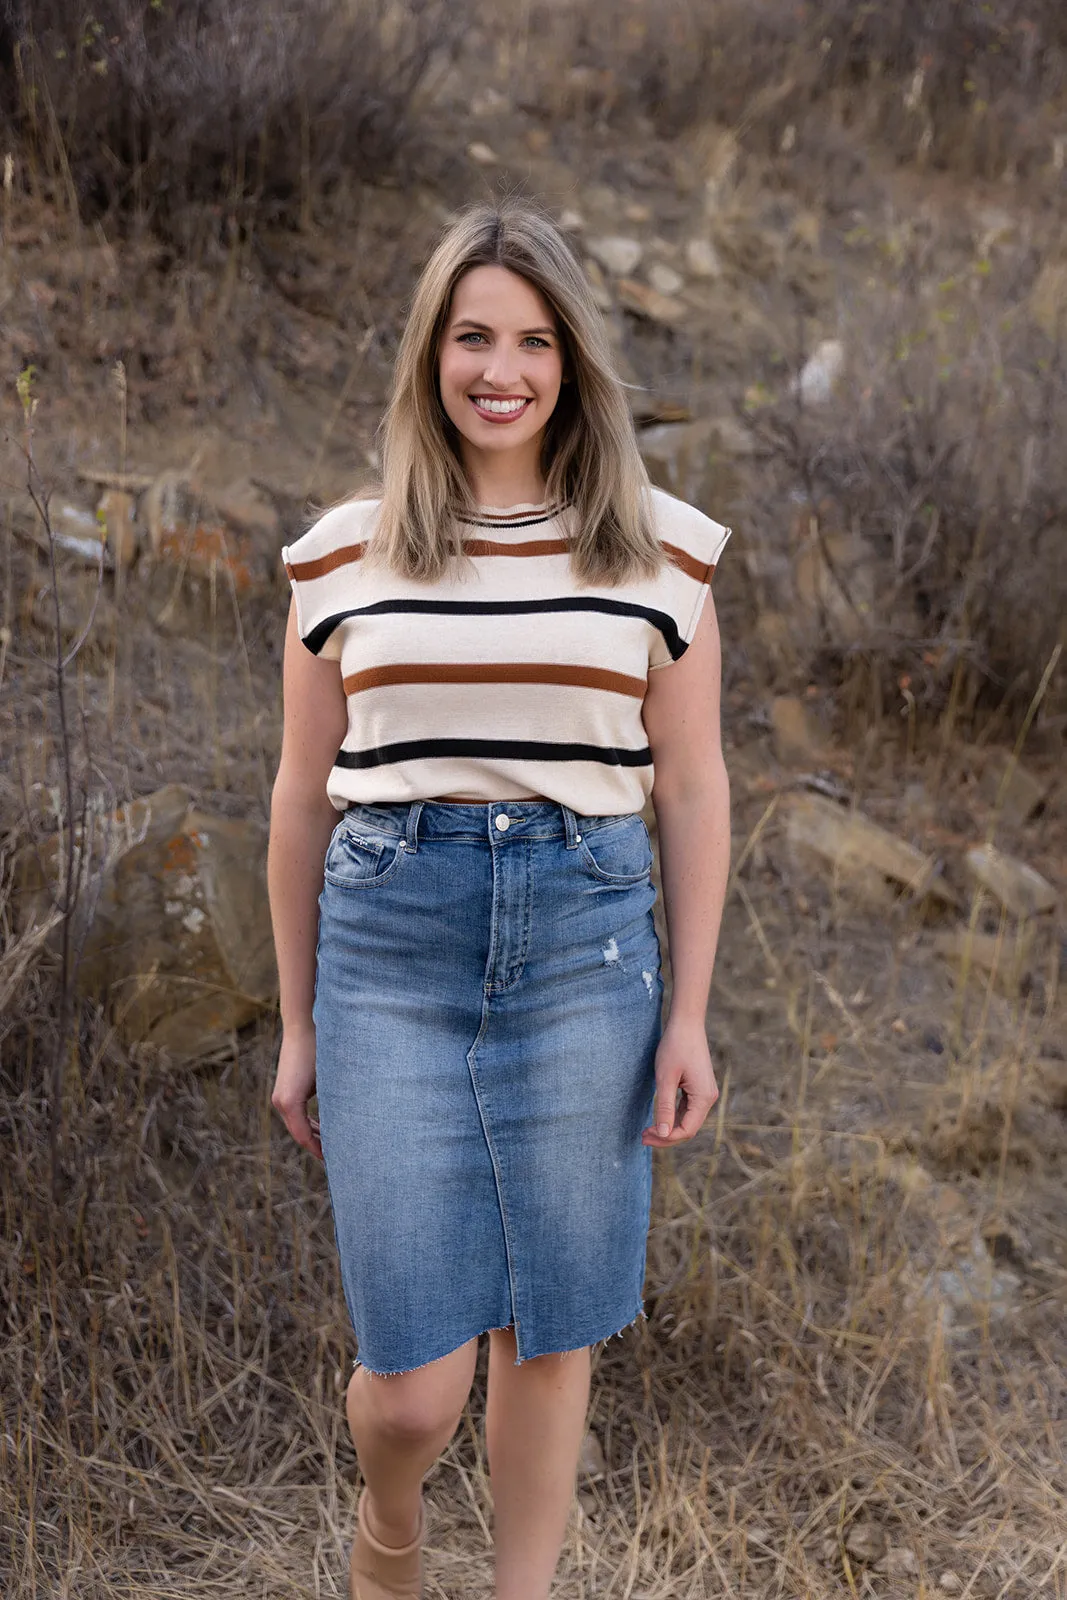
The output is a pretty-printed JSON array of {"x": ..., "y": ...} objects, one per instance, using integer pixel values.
[
  {"x": 851, "y": 1377},
  {"x": 197, "y": 123}
]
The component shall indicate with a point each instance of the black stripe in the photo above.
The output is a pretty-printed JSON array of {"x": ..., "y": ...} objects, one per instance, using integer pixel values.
[
  {"x": 507, "y": 749},
  {"x": 503, "y": 608},
  {"x": 533, "y": 522}
]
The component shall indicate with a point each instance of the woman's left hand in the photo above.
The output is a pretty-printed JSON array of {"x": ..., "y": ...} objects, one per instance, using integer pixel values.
[{"x": 683, "y": 1062}]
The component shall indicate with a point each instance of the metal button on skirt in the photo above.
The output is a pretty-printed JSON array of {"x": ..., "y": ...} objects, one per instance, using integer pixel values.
[{"x": 487, "y": 1010}]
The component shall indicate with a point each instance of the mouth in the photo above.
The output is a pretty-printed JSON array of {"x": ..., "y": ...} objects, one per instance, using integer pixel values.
[{"x": 498, "y": 409}]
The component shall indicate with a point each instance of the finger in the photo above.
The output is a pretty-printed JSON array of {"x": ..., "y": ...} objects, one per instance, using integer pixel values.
[
  {"x": 694, "y": 1116},
  {"x": 666, "y": 1103},
  {"x": 300, "y": 1127}
]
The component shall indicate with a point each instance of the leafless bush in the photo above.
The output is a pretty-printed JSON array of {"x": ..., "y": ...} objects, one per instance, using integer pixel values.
[
  {"x": 143, "y": 107},
  {"x": 929, "y": 503},
  {"x": 956, "y": 83}
]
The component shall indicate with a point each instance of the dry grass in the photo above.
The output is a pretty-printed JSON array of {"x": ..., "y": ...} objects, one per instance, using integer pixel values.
[
  {"x": 980, "y": 90},
  {"x": 929, "y": 490},
  {"x": 176, "y": 1347},
  {"x": 196, "y": 124}
]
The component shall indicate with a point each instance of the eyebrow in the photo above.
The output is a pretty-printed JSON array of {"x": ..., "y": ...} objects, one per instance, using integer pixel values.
[{"x": 483, "y": 327}]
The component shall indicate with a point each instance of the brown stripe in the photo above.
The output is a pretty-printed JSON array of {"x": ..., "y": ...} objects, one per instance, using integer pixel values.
[
  {"x": 688, "y": 564},
  {"x": 529, "y": 547},
  {"x": 301, "y": 571},
  {"x": 503, "y": 518},
  {"x": 495, "y": 672}
]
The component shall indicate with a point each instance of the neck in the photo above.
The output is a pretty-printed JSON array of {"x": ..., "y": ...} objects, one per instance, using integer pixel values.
[{"x": 500, "y": 480}]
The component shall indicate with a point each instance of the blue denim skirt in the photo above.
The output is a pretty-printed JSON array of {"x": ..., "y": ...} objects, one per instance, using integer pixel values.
[{"x": 487, "y": 1010}]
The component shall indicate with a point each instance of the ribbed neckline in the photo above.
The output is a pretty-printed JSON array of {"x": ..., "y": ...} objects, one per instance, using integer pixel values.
[
  {"x": 510, "y": 511},
  {"x": 522, "y": 515}
]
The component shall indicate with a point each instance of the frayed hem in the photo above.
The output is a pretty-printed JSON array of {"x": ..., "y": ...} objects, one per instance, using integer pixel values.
[
  {"x": 401, "y": 1372},
  {"x": 593, "y": 1345}
]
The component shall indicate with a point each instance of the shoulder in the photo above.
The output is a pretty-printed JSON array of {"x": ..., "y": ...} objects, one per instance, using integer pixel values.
[
  {"x": 684, "y": 530},
  {"x": 338, "y": 529}
]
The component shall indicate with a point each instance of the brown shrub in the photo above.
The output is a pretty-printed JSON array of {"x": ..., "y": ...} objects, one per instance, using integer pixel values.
[
  {"x": 955, "y": 83},
  {"x": 935, "y": 474},
  {"x": 143, "y": 108}
]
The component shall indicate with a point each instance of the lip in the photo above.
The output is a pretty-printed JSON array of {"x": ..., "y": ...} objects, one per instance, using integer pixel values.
[{"x": 498, "y": 417}]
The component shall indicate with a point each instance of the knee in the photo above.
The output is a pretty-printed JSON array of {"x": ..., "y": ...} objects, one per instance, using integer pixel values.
[{"x": 403, "y": 1407}]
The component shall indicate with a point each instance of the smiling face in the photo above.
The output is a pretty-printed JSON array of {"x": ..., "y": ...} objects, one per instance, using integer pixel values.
[{"x": 500, "y": 367}]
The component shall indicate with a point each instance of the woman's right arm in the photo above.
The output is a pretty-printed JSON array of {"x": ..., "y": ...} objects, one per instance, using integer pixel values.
[{"x": 302, "y": 819}]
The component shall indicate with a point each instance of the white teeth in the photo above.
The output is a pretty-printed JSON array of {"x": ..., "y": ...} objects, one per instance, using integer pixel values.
[{"x": 502, "y": 406}]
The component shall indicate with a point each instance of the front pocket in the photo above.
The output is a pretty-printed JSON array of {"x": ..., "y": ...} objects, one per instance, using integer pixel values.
[
  {"x": 361, "y": 860},
  {"x": 619, "y": 852}
]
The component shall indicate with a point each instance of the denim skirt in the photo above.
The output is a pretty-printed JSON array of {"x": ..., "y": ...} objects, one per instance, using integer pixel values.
[{"x": 487, "y": 1010}]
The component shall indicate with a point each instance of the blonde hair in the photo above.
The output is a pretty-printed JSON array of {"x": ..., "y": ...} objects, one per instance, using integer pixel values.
[{"x": 591, "y": 461}]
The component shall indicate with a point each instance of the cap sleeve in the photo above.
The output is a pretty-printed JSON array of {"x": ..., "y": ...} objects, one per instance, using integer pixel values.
[
  {"x": 323, "y": 568},
  {"x": 694, "y": 544}
]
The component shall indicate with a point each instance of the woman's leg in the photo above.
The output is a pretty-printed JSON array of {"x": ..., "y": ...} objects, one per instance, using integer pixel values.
[
  {"x": 534, "y": 1425},
  {"x": 399, "y": 1425}
]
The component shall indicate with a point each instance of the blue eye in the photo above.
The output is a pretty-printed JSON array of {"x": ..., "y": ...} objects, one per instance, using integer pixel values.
[{"x": 463, "y": 337}]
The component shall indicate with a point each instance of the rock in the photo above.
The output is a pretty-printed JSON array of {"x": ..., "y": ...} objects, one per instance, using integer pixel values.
[
  {"x": 974, "y": 1290},
  {"x": 677, "y": 456},
  {"x": 820, "y": 374},
  {"x": 1019, "y": 889},
  {"x": 732, "y": 438},
  {"x": 901, "y": 1562},
  {"x": 797, "y": 738},
  {"x": 175, "y": 922},
  {"x": 488, "y": 102},
  {"x": 617, "y": 255},
  {"x": 591, "y": 1463},
  {"x": 634, "y": 211},
  {"x": 116, "y": 508},
  {"x": 598, "y": 284},
  {"x": 702, "y": 259},
  {"x": 75, "y": 529},
  {"x": 860, "y": 850},
  {"x": 866, "y": 1542},
  {"x": 572, "y": 221},
  {"x": 1005, "y": 963},
  {"x": 664, "y": 279},
  {"x": 186, "y": 530},
  {"x": 1013, "y": 791},
  {"x": 833, "y": 581},
  {"x": 648, "y": 302},
  {"x": 482, "y": 155},
  {"x": 246, "y": 506},
  {"x": 994, "y": 226},
  {"x": 1048, "y": 299}
]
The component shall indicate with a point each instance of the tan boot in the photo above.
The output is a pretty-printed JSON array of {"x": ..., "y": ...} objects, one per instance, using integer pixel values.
[{"x": 379, "y": 1572}]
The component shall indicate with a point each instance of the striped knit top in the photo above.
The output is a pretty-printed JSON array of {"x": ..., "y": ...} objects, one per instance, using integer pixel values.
[{"x": 506, "y": 681}]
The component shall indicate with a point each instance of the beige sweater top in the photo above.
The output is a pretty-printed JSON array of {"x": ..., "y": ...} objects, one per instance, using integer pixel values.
[{"x": 505, "y": 682}]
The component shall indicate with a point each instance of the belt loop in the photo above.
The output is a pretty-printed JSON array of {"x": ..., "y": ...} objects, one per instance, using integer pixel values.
[
  {"x": 570, "y": 824},
  {"x": 411, "y": 833}
]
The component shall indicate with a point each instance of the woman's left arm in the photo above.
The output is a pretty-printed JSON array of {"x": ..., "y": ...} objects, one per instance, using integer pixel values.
[{"x": 691, "y": 796}]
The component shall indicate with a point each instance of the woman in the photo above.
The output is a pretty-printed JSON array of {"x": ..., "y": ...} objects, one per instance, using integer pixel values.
[{"x": 470, "y": 974}]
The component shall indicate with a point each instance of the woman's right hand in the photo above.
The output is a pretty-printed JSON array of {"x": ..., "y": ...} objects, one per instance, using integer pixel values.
[{"x": 294, "y": 1085}]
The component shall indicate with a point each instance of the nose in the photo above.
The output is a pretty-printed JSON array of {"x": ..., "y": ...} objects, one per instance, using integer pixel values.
[{"x": 501, "y": 369}]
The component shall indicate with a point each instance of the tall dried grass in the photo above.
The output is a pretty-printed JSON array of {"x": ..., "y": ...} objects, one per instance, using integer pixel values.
[
  {"x": 977, "y": 89},
  {"x": 799, "y": 1415},
  {"x": 924, "y": 500},
  {"x": 150, "y": 113}
]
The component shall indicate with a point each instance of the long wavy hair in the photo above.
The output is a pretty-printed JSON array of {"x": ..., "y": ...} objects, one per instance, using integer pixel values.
[{"x": 591, "y": 462}]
